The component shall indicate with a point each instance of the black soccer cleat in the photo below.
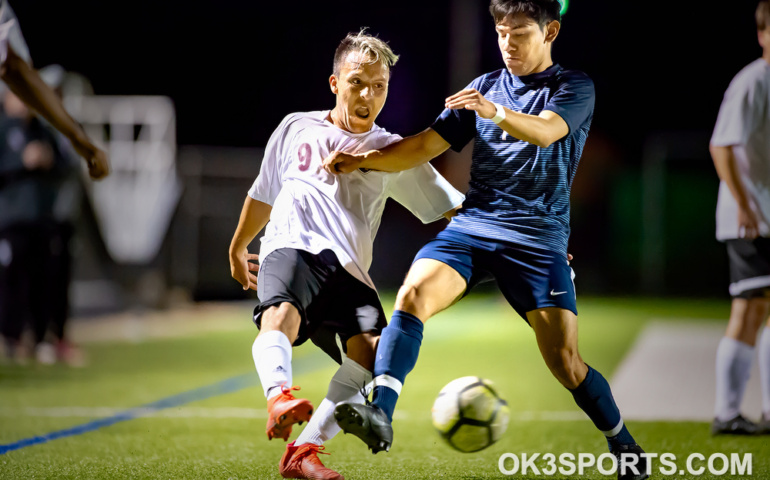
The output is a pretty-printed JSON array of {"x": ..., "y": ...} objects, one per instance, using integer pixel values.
[
  {"x": 626, "y": 455},
  {"x": 735, "y": 426},
  {"x": 367, "y": 422},
  {"x": 763, "y": 425}
]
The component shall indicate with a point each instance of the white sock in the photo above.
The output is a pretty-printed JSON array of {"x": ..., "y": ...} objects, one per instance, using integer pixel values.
[
  {"x": 733, "y": 367},
  {"x": 345, "y": 386},
  {"x": 272, "y": 357},
  {"x": 764, "y": 370}
]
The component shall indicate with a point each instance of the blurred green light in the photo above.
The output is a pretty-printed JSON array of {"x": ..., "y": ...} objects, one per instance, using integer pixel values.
[{"x": 564, "y": 5}]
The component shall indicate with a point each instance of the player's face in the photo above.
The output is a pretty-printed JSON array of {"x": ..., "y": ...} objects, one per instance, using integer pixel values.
[
  {"x": 361, "y": 90},
  {"x": 526, "y": 47}
]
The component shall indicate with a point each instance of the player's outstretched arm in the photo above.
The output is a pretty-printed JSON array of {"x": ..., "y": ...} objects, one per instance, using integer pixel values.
[
  {"x": 254, "y": 217},
  {"x": 541, "y": 130},
  {"x": 402, "y": 155},
  {"x": 25, "y": 82},
  {"x": 727, "y": 169}
]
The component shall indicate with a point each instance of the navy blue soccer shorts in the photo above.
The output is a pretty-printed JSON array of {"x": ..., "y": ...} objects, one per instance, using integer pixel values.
[{"x": 529, "y": 278}]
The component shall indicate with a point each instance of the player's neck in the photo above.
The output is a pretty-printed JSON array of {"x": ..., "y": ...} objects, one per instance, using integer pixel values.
[
  {"x": 766, "y": 55},
  {"x": 544, "y": 64}
]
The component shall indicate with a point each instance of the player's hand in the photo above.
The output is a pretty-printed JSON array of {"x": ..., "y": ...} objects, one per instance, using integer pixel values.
[
  {"x": 471, "y": 99},
  {"x": 569, "y": 258},
  {"x": 748, "y": 223},
  {"x": 242, "y": 264},
  {"x": 96, "y": 159},
  {"x": 338, "y": 162}
]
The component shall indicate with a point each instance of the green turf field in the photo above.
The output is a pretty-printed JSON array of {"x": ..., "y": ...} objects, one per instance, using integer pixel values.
[{"x": 222, "y": 436}]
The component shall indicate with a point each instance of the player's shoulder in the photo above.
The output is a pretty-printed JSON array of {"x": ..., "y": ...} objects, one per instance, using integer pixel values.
[
  {"x": 298, "y": 121},
  {"x": 756, "y": 73},
  {"x": 574, "y": 77},
  {"x": 297, "y": 117}
]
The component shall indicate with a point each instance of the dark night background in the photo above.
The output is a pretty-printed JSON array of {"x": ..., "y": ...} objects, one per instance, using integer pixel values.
[{"x": 235, "y": 68}]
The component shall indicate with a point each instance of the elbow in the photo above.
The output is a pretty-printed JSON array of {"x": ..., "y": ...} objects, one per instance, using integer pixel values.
[
  {"x": 542, "y": 141},
  {"x": 545, "y": 139}
]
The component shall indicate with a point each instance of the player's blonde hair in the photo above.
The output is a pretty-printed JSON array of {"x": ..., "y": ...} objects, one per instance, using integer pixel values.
[
  {"x": 370, "y": 46},
  {"x": 763, "y": 15}
]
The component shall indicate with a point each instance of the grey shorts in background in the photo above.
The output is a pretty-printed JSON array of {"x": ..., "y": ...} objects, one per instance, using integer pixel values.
[{"x": 749, "y": 267}]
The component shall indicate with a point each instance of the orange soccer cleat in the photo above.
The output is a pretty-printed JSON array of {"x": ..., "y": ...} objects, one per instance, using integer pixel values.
[
  {"x": 302, "y": 462},
  {"x": 283, "y": 411}
]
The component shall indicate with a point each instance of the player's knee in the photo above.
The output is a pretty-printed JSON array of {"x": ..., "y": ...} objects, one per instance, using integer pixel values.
[
  {"x": 362, "y": 349},
  {"x": 746, "y": 318},
  {"x": 283, "y": 317},
  {"x": 565, "y": 364},
  {"x": 409, "y": 300}
]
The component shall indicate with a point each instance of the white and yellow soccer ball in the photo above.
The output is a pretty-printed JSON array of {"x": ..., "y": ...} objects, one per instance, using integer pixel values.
[{"x": 469, "y": 414}]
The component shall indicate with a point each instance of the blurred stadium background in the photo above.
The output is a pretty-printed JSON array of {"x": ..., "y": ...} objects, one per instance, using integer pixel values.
[
  {"x": 643, "y": 200},
  {"x": 185, "y": 95}
]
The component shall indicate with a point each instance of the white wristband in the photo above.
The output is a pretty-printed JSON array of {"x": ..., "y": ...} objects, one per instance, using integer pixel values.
[{"x": 499, "y": 113}]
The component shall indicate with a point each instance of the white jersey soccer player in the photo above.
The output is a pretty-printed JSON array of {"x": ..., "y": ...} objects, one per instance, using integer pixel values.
[
  {"x": 740, "y": 147},
  {"x": 744, "y": 124},
  {"x": 314, "y": 210},
  {"x": 313, "y": 281}
]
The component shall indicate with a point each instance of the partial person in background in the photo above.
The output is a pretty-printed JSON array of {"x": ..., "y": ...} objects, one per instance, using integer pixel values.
[
  {"x": 740, "y": 148},
  {"x": 31, "y": 173},
  {"x": 66, "y": 209},
  {"x": 17, "y": 73}
]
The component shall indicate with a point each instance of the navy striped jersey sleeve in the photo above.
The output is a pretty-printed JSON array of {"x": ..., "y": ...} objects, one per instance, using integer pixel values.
[
  {"x": 574, "y": 99},
  {"x": 458, "y": 127}
]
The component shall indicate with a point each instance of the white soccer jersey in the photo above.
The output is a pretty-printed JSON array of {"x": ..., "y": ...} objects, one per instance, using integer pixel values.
[
  {"x": 314, "y": 210},
  {"x": 744, "y": 124},
  {"x": 10, "y": 34}
]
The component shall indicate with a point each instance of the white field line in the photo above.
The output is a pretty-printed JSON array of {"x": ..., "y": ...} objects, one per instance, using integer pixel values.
[
  {"x": 192, "y": 319},
  {"x": 232, "y": 412}
]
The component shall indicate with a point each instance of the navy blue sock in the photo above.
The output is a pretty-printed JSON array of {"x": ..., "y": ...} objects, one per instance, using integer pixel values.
[
  {"x": 396, "y": 357},
  {"x": 594, "y": 396}
]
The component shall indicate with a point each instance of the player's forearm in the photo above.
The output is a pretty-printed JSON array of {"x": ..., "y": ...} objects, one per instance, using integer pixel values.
[
  {"x": 407, "y": 153},
  {"x": 533, "y": 129},
  {"x": 25, "y": 82},
  {"x": 254, "y": 217},
  {"x": 727, "y": 169}
]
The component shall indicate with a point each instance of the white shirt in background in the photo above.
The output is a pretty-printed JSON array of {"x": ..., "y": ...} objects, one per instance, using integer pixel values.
[{"x": 744, "y": 124}]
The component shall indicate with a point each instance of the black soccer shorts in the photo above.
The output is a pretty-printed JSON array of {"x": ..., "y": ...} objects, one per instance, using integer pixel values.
[
  {"x": 329, "y": 299},
  {"x": 749, "y": 267}
]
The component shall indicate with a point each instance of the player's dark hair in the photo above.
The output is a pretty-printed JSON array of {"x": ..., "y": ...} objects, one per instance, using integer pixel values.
[
  {"x": 763, "y": 15},
  {"x": 541, "y": 11},
  {"x": 372, "y": 47}
]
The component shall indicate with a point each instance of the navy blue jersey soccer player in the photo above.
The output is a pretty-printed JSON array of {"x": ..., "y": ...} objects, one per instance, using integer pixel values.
[{"x": 530, "y": 122}]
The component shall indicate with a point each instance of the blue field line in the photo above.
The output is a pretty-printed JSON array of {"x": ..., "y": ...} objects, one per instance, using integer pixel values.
[{"x": 230, "y": 385}]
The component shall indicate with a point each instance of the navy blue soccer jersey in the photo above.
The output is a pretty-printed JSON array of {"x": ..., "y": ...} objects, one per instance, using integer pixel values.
[{"x": 518, "y": 191}]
